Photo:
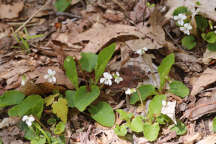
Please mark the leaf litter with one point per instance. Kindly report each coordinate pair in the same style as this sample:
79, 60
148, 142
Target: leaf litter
88, 27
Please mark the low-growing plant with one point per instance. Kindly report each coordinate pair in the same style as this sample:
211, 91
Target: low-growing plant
149, 124
204, 28
23, 37
81, 98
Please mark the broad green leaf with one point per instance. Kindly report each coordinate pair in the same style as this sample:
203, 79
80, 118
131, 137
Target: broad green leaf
62, 5
121, 130
58, 140
201, 22
88, 61
211, 47
71, 72
11, 97
145, 91
189, 42
210, 37
50, 99
155, 106
84, 98
164, 68
125, 115
151, 131
31, 105
60, 108
178, 88
70, 97
103, 59
214, 124
97, 113
137, 124
59, 129
180, 128
180, 10
38, 140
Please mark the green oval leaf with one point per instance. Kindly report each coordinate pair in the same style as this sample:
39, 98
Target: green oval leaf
11, 97
125, 115
188, 42
145, 91
151, 131
155, 106
70, 97
137, 124
84, 98
97, 113
180, 128
211, 47
103, 59
164, 68
59, 129
179, 89
210, 37
71, 72
62, 5
88, 61
179, 10
31, 105
121, 130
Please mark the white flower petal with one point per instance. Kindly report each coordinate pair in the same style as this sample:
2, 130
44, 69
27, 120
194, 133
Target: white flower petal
50, 80
31, 118
54, 79
29, 123
24, 118
102, 80
49, 71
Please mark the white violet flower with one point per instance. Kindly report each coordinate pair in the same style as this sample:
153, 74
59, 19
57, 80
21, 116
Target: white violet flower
141, 51
117, 78
28, 119
50, 76
195, 11
186, 28
180, 18
107, 79
23, 81
129, 91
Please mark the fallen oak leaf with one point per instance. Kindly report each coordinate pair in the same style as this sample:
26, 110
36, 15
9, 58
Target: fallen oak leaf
99, 36
206, 78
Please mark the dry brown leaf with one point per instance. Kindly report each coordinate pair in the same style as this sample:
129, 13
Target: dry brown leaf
11, 11
211, 139
206, 78
206, 7
204, 106
208, 56
137, 15
61, 78
98, 36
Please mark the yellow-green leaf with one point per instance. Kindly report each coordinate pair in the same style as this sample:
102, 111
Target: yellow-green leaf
50, 99
60, 108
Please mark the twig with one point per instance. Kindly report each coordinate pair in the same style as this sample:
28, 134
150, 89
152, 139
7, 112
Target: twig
30, 18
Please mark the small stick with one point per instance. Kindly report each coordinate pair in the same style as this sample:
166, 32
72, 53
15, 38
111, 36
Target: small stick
30, 18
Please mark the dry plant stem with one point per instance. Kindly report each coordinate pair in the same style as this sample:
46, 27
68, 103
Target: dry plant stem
142, 105
41, 124
34, 14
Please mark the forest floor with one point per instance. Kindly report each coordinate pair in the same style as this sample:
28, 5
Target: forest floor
36, 36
